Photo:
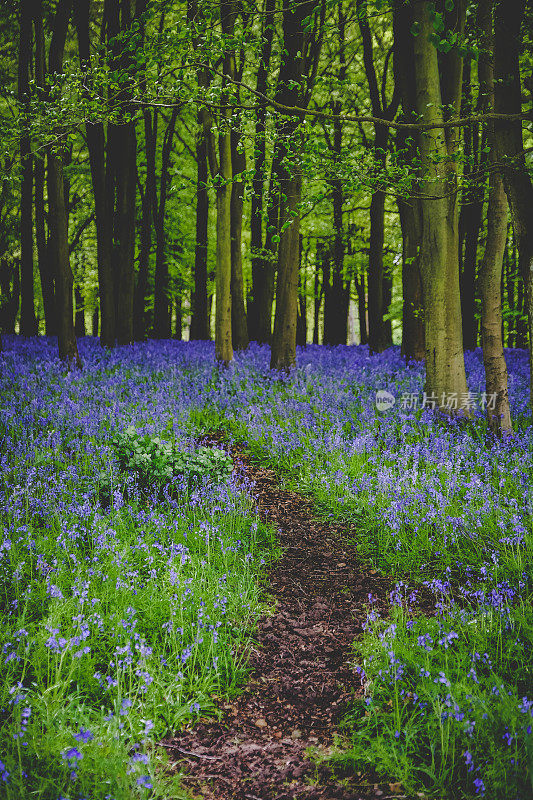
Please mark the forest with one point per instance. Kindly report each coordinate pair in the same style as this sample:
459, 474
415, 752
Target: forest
266, 385
348, 173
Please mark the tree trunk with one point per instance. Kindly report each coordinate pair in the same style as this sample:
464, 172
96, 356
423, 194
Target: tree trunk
221, 170
510, 148
79, 317
68, 349
380, 333
439, 256
361, 308
239, 325
148, 201
200, 328
200, 299
223, 340
509, 290
260, 311
340, 286
178, 327
521, 319
387, 300
45, 267
470, 215
301, 320
413, 347
470, 222
491, 298
125, 250
376, 332
291, 92
122, 157
490, 275
283, 355
102, 192
329, 310
265, 280
28, 322
162, 300
58, 209
318, 291
10, 293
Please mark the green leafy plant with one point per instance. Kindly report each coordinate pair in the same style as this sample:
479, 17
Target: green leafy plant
155, 462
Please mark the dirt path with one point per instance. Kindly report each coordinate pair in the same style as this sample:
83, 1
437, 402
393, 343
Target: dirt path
301, 681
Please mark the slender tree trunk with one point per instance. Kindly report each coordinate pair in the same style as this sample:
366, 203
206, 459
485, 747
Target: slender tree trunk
68, 349
223, 340
79, 318
178, 327
103, 194
162, 300
301, 320
10, 293
376, 308
413, 344
289, 142
283, 355
139, 296
221, 170
266, 277
380, 333
125, 209
122, 140
260, 312
361, 308
471, 222
439, 257
413, 347
148, 202
45, 267
200, 327
470, 217
318, 291
491, 298
510, 148
521, 320
205, 160
387, 300
508, 289
340, 287
58, 209
28, 322
490, 275
238, 311
329, 310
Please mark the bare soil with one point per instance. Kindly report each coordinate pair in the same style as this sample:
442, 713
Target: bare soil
302, 679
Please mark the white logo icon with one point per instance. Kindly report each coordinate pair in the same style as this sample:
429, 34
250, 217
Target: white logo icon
384, 400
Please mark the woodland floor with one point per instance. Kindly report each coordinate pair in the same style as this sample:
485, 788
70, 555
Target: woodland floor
301, 680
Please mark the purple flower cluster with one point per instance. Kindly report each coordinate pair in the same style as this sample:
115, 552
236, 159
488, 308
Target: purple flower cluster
137, 600
113, 616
